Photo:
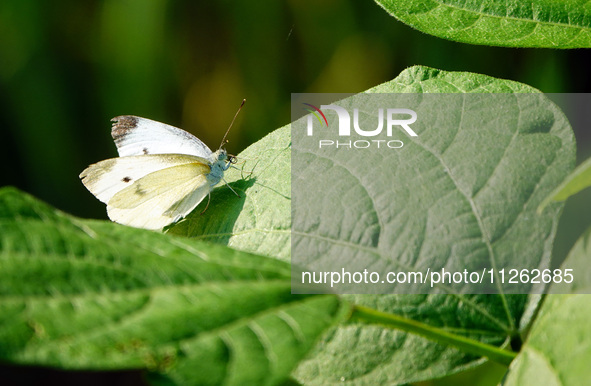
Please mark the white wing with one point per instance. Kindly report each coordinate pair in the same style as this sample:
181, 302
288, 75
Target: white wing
162, 197
136, 136
104, 179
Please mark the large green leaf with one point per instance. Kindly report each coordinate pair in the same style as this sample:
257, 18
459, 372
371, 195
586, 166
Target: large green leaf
370, 354
520, 23
558, 348
96, 295
472, 183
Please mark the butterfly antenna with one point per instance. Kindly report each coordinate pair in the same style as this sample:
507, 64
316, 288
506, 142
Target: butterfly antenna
231, 123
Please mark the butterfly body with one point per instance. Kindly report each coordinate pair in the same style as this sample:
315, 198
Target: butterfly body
219, 164
161, 175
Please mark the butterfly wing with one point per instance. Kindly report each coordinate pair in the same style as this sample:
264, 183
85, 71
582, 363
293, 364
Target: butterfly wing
162, 197
136, 136
104, 179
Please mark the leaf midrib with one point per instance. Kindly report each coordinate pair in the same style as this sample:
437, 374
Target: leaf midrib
484, 14
111, 245
239, 321
144, 291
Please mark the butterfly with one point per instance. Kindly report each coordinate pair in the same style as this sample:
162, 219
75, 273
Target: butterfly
161, 175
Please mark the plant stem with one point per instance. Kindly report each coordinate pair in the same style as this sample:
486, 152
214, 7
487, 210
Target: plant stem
369, 315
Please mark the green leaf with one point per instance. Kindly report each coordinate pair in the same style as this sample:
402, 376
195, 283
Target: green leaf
558, 347
373, 353
578, 259
520, 23
78, 294
578, 180
259, 220
493, 177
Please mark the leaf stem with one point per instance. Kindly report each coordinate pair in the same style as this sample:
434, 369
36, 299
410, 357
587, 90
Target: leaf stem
369, 315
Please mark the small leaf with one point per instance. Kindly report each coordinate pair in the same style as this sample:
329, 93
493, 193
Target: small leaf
541, 23
558, 347
78, 294
579, 262
578, 180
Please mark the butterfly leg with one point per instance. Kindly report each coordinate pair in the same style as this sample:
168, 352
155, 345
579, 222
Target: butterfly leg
242, 172
208, 200
225, 182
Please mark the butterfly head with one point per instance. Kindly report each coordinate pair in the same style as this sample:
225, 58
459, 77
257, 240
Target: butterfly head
221, 155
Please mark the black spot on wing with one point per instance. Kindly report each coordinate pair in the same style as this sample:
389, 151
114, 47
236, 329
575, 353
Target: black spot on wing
126, 179
145, 150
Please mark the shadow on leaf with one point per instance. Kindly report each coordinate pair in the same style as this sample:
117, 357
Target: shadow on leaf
215, 222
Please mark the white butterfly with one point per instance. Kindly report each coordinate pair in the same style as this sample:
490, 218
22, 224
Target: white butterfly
161, 175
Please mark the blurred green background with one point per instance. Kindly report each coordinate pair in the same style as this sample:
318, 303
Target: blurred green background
67, 67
